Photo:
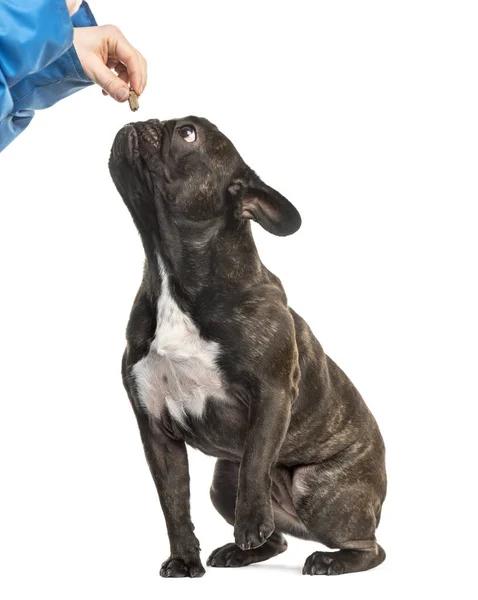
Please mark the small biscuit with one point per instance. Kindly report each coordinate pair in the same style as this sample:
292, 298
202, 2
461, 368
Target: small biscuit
133, 101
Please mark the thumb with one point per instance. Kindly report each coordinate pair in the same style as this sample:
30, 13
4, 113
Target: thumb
111, 83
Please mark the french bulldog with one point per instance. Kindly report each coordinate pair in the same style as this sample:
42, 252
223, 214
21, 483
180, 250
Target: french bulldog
217, 360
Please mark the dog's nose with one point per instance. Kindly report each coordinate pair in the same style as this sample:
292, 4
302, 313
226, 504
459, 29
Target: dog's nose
150, 123
149, 132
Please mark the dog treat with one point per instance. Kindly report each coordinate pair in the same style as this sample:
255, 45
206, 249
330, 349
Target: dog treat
133, 101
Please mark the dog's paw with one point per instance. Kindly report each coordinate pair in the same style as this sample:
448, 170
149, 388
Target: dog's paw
179, 567
229, 556
322, 563
253, 527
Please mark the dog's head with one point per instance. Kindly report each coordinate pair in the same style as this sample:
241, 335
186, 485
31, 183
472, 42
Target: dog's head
187, 173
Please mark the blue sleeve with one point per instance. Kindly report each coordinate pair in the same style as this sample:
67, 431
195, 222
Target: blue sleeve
38, 62
32, 35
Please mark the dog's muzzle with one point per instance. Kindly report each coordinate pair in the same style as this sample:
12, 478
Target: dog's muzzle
135, 139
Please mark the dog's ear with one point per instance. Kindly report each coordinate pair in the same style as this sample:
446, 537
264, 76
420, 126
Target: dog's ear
257, 201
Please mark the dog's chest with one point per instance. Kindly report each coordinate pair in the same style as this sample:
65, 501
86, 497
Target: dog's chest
180, 372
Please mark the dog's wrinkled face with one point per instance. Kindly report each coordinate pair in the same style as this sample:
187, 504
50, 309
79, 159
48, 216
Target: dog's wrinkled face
185, 171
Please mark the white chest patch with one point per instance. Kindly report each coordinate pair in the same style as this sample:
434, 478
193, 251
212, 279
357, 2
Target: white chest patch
180, 370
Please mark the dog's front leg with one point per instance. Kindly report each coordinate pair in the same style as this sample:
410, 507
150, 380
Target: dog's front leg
269, 417
168, 462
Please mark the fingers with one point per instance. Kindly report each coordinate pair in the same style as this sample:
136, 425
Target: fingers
132, 59
120, 71
124, 75
101, 49
114, 86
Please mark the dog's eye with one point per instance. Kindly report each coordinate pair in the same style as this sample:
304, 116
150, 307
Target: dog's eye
188, 133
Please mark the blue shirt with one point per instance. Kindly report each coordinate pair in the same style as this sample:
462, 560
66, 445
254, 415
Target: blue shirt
38, 62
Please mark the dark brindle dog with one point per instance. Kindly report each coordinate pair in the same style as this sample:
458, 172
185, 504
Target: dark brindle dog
216, 359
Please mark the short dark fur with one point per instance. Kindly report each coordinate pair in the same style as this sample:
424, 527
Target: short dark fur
298, 450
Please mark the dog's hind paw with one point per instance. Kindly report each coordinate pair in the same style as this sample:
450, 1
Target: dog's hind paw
343, 561
320, 563
231, 555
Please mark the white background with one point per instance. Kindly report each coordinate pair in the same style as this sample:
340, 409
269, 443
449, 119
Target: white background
364, 114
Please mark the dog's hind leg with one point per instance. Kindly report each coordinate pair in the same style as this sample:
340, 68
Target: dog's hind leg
340, 515
343, 561
223, 496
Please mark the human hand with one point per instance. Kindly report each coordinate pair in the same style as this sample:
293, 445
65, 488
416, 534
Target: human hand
103, 48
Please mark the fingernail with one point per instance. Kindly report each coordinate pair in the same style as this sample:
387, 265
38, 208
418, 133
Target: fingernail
122, 94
